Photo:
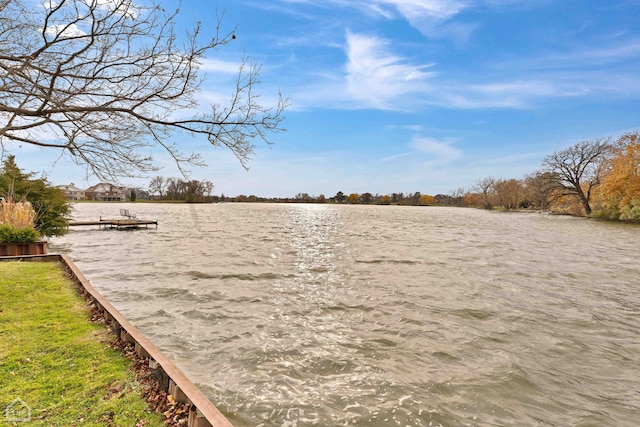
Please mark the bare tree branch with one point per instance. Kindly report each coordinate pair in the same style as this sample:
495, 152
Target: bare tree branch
577, 170
107, 81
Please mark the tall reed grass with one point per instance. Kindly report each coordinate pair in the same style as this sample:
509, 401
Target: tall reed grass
17, 214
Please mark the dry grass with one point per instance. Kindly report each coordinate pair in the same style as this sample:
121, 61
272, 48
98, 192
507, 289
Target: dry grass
17, 214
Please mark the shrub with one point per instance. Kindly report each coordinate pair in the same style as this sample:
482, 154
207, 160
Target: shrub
631, 212
11, 234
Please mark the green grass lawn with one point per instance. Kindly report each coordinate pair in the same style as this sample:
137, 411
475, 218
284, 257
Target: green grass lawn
56, 361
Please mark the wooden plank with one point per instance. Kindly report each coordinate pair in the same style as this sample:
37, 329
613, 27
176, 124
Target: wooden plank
206, 413
115, 222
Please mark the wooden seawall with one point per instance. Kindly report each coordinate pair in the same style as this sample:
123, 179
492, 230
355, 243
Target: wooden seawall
202, 412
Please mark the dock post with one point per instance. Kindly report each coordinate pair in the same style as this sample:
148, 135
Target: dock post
196, 419
178, 395
141, 351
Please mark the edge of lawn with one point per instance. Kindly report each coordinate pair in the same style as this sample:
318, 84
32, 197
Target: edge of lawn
57, 363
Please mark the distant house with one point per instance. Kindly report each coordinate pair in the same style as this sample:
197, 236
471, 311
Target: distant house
141, 194
105, 192
72, 192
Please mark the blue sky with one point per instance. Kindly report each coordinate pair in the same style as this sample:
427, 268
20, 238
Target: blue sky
411, 95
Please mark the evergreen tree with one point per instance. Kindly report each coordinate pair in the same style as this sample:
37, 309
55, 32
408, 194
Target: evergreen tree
50, 203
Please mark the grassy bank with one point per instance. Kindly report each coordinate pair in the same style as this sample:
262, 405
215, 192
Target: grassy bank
56, 361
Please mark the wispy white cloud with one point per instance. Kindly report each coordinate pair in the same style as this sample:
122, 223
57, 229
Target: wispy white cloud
123, 8
381, 73
218, 66
71, 30
432, 17
76, 29
579, 57
430, 151
439, 151
431, 9
410, 9
427, 16
499, 94
377, 76
511, 159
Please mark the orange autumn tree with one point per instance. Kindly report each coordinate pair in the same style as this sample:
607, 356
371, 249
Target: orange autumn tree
353, 198
619, 193
426, 200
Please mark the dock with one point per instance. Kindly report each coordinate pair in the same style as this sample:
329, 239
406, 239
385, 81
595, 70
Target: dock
116, 223
130, 221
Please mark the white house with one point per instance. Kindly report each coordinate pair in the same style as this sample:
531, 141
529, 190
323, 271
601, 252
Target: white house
72, 192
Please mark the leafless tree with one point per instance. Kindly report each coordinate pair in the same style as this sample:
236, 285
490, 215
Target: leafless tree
578, 169
508, 192
539, 188
486, 188
104, 81
158, 185
457, 196
207, 188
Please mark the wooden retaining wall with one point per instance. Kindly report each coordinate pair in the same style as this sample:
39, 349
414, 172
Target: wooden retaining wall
202, 412
31, 248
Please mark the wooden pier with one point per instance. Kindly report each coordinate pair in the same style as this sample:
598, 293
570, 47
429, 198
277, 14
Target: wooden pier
119, 224
129, 221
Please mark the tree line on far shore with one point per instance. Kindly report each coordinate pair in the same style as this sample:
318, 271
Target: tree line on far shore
191, 191
598, 178
194, 191
408, 199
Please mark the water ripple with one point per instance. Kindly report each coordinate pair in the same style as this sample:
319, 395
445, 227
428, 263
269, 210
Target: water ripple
331, 315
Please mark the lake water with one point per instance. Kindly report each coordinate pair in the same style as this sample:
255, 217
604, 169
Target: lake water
305, 315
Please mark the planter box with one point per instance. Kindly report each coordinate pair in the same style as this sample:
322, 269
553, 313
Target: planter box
17, 249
